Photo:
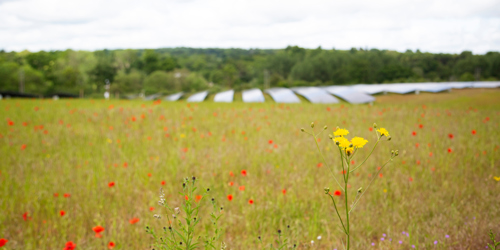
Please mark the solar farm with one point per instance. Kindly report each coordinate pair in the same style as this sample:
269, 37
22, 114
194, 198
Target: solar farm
360, 93
96, 174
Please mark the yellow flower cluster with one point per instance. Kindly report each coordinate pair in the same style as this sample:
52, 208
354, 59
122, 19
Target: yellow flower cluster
356, 142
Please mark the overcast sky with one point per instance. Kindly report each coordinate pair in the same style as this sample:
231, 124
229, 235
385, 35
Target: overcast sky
449, 26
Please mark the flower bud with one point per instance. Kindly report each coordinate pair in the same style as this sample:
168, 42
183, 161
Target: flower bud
360, 190
389, 138
302, 129
312, 124
325, 127
330, 136
396, 153
327, 190
374, 125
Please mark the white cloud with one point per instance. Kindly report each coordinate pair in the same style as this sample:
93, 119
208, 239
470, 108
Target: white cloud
435, 26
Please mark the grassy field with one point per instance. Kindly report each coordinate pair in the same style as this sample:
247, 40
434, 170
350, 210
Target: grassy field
62, 155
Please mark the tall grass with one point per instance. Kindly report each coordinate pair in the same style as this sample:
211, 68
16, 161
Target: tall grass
86, 144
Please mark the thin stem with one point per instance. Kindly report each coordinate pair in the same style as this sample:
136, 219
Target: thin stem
370, 184
367, 156
346, 205
336, 210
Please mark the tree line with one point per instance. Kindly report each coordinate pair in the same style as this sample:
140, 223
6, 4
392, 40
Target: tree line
170, 70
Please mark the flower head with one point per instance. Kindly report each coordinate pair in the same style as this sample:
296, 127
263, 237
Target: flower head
341, 132
70, 245
111, 245
3, 242
358, 142
342, 142
230, 197
133, 220
383, 132
337, 193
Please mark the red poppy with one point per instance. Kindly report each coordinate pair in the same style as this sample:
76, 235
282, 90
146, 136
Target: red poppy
62, 213
353, 162
70, 245
414, 133
418, 162
473, 131
3, 242
23, 146
270, 141
98, 230
380, 175
231, 173
11, 123
337, 193
250, 201
450, 136
111, 245
416, 145
410, 179
25, 216
449, 150
231, 183
67, 195
283, 191
56, 194
134, 220
125, 164
430, 154
371, 129
319, 165
149, 174
186, 197
243, 172
111, 184
133, 118
198, 198
242, 188
162, 183
151, 208
421, 126
230, 197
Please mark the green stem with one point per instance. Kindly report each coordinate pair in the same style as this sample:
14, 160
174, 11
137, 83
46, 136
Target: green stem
354, 205
336, 210
347, 206
367, 156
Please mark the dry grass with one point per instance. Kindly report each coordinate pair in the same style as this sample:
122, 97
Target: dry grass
451, 194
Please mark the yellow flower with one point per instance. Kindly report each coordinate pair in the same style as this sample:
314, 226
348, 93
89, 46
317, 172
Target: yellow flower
343, 142
383, 131
183, 135
341, 132
349, 151
358, 142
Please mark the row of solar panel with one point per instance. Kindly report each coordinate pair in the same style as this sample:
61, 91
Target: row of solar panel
360, 93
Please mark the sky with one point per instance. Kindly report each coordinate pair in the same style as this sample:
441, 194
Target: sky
437, 26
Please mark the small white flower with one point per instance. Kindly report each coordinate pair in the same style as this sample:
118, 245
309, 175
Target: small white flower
312, 242
319, 237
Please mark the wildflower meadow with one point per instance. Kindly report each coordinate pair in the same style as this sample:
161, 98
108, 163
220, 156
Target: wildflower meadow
120, 174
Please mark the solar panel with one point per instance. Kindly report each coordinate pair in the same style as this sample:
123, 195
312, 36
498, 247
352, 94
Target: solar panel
174, 97
198, 97
400, 88
282, 95
253, 95
349, 94
226, 96
486, 84
433, 87
370, 89
152, 97
315, 95
459, 85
